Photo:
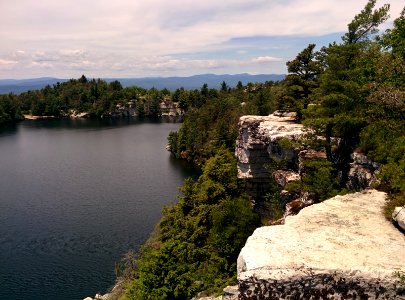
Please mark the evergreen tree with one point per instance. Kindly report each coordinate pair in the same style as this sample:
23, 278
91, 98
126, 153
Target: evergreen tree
301, 80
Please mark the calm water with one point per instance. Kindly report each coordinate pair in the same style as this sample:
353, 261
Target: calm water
75, 195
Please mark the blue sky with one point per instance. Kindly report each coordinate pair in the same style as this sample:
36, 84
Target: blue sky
128, 38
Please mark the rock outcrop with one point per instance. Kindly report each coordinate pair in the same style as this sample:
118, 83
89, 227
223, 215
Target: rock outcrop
399, 216
257, 143
271, 148
342, 248
258, 146
230, 293
363, 172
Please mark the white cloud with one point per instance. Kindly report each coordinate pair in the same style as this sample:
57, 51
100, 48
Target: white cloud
41, 64
7, 62
143, 37
265, 59
72, 52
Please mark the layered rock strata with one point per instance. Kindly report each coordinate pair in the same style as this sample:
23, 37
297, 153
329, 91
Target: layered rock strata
257, 143
258, 148
342, 248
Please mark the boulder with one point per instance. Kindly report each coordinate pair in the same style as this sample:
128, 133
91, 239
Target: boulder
399, 216
75, 114
362, 173
342, 248
288, 196
283, 177
363, 160
294, 207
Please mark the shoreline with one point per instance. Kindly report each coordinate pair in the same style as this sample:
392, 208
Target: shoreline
34, 117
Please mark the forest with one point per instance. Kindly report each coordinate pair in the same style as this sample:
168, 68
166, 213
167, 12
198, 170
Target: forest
95, 97
352, 90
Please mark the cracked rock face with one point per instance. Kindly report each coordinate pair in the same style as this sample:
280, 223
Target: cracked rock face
265, 143
342, 247
257, 143
258, 147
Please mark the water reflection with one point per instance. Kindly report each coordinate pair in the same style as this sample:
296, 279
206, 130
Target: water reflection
8, 129
187, 169
99, 123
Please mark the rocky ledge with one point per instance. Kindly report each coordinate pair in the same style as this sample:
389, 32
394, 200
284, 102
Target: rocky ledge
342, 248
257, 143
274, 148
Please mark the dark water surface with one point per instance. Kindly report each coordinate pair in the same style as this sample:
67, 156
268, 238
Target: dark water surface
75, 195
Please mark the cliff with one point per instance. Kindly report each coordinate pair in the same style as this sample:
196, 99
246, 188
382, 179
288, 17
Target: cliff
342, 248
257, 143
274, 148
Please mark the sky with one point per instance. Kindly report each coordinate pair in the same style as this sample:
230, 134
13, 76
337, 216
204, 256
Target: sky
143, 38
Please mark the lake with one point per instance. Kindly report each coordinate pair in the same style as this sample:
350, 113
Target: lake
75, 195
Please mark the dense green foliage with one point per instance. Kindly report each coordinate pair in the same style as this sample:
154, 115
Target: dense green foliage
352, 95
301, 80
198, 239
95, 97
10, 110
361, 97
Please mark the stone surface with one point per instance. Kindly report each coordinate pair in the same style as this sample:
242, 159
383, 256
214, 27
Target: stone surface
399, 216
282, 177
340, 248
362, 173
295, 206
361, 159
101, 297
257, 147
258, 136
230, 293
288, 196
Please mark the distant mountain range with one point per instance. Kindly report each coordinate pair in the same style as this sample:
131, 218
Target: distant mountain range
18, 86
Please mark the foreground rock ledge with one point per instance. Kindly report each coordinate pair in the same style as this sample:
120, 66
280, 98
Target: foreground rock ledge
342, 248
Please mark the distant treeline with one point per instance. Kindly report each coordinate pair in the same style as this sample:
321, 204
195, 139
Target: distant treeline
18, 86
98, 98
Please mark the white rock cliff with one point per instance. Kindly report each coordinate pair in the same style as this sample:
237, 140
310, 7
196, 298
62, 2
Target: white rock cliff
257, 143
